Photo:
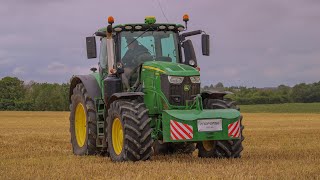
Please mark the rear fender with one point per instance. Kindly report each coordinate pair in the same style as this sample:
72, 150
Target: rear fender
214, 94
89, 82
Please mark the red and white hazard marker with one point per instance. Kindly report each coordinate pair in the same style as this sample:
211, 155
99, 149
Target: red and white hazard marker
234, 129
179, 131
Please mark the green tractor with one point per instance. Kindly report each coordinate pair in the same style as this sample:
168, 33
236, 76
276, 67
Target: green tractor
145, 98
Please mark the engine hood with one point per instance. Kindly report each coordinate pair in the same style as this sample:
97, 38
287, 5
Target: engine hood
170, 68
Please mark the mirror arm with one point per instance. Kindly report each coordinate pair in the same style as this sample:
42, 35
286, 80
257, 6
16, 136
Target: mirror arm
101, 34
191, 33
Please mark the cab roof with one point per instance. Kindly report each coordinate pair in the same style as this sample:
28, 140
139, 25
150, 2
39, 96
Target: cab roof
143, 27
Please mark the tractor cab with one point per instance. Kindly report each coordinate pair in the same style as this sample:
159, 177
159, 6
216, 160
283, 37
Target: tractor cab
137, 47
126, 47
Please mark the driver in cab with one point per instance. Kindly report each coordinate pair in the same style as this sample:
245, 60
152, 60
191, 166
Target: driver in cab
135, 55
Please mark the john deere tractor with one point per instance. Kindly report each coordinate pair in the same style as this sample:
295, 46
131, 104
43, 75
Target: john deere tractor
144, 99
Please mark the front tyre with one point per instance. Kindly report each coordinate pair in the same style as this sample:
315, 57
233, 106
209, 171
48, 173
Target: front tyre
129, 131
221, 148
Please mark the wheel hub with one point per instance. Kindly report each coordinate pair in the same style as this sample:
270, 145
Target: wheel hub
117, 136
208, 145
80, 125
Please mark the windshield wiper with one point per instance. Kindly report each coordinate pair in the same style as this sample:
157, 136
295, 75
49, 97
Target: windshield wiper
139, 36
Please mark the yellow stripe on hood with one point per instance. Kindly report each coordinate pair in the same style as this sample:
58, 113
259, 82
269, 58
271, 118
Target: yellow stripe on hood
153, 68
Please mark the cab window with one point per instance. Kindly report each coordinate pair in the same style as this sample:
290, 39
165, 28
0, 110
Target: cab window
158, 45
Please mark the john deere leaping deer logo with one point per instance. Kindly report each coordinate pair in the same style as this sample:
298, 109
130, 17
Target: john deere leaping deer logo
186, 87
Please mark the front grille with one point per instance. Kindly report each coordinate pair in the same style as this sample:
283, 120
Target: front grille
176, 94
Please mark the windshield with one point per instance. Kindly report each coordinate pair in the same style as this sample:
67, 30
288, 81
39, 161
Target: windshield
139, 46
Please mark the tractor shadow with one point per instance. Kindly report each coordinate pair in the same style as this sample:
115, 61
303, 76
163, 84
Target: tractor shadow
187, 158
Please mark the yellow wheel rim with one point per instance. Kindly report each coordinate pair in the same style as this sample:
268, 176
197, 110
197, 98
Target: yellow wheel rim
80, 125
207, 145
117, 136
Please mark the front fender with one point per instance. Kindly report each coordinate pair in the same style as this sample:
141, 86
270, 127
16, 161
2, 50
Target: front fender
124, 95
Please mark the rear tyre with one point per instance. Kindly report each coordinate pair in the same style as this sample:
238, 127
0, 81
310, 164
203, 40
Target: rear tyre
83, 127
129, 131
225, 148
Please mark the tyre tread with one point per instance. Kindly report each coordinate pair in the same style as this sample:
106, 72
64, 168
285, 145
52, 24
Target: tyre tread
137, 139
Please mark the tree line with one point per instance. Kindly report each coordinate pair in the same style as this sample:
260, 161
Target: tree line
33, 96
300, 93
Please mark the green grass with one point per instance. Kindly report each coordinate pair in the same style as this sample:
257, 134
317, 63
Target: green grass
282, 108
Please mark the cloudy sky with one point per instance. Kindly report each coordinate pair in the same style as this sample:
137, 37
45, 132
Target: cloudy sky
253, 42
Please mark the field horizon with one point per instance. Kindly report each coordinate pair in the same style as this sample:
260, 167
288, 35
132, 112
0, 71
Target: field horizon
258, 108
281, 108
276, 146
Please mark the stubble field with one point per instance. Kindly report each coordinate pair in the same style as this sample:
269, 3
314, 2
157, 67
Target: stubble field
282, 146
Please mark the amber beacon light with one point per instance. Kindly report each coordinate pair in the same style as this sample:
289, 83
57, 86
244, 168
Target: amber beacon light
185, 17
110, 20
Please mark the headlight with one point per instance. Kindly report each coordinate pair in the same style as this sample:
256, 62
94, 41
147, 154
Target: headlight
180, 28
192, 62
195, 79
175, 79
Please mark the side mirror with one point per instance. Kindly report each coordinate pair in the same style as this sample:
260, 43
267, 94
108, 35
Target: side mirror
91, 47
189, 54
205, 40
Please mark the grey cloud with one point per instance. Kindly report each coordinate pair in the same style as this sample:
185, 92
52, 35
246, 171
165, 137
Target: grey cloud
20, 70
254, 43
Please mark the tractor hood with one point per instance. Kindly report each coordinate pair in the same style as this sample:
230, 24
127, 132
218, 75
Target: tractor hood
170, 68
